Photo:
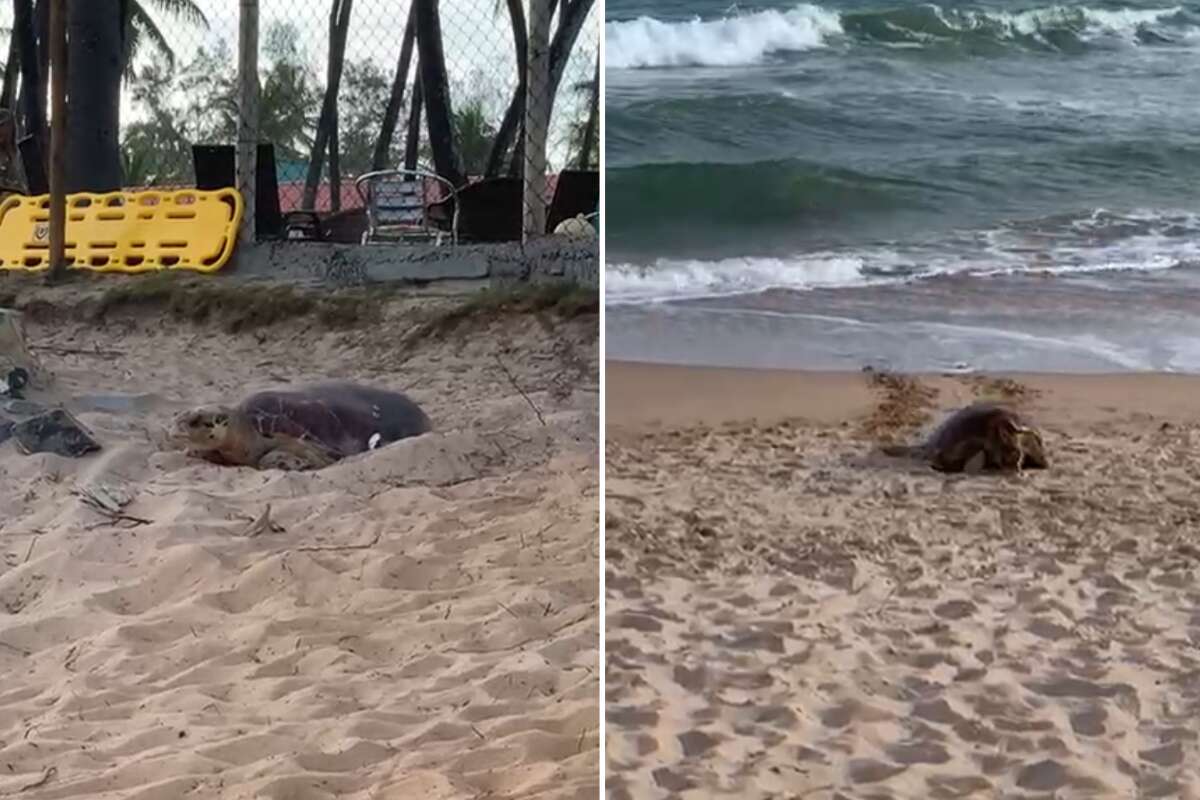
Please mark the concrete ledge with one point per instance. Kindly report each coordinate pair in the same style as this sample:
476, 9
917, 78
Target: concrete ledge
550, 258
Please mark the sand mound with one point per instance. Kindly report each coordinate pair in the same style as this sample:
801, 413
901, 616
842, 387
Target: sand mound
418, 621
444, 459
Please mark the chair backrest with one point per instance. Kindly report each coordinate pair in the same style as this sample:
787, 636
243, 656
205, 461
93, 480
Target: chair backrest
397, 200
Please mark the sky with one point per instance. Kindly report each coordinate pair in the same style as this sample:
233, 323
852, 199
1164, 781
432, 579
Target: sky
476, 34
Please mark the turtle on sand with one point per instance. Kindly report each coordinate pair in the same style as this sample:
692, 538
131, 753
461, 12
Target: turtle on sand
299, 428
989, 431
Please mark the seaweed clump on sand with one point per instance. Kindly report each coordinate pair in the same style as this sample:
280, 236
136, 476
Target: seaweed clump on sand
905, 405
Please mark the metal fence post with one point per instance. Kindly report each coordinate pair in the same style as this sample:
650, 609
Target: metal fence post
247, 144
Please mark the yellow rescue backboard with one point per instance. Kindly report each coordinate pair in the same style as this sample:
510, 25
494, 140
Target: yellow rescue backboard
128, 232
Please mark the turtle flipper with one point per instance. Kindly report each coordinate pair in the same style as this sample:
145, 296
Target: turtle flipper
957, 456
286, 461
903, 450
296, 454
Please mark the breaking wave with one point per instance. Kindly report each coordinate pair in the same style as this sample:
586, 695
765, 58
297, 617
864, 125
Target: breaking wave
750, 38
1097, 242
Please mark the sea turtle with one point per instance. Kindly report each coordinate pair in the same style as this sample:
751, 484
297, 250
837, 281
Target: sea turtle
306, 427
997, 434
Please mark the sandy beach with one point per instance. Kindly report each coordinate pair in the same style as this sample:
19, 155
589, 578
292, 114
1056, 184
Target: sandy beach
791, 614
417, 621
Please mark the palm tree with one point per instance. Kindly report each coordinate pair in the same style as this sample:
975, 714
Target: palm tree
326, 136
435, 88
93, 147
142, 30
570, 21
198, 103
583, 135
107, 35
391, 113
473, 134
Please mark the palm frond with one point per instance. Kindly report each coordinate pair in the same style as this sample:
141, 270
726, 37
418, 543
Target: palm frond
186, 10
142, 25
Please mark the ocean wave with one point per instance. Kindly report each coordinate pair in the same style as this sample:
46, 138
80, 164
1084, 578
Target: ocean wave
648, 200
1061, 27
1097, 242
731, 41
749, 38
756, 194
669, 279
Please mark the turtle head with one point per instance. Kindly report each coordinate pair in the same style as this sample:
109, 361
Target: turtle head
1032, 448
1019, 446
200, 428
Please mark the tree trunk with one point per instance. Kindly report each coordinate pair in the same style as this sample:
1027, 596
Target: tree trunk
94, 46
41, 22
537, 120
339, 23
126, 27
12, 70
33, 118
517, 164
248, 119
569, 25
412, 142
589, 130
516, 108
335, 167
59, 64
439, 116
391, 114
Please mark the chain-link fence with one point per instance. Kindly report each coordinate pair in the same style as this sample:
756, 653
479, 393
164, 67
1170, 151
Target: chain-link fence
377, 119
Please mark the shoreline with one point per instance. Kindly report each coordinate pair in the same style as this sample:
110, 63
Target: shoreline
642, 395
1139, 322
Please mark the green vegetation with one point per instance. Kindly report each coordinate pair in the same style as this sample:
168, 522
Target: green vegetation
179, 105
239, 306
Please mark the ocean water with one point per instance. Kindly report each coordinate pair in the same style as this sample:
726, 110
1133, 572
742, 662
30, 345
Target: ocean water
904, 183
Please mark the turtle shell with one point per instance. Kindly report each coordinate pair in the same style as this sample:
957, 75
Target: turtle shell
981, 428
341, 418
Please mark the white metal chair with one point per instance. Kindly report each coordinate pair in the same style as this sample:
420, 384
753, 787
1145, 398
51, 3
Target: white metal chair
396, 209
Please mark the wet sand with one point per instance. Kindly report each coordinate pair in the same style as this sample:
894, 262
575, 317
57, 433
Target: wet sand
793, 614
1068, 324
417, 621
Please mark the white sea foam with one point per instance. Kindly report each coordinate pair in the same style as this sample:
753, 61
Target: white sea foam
731, 41
1005, 251
1090, 23
669, 279
748, 38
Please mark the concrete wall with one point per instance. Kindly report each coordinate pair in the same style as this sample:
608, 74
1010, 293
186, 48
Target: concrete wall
550, 258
